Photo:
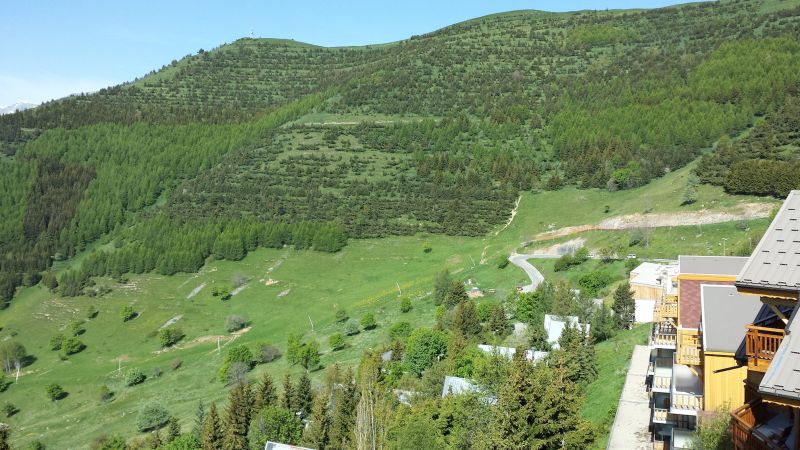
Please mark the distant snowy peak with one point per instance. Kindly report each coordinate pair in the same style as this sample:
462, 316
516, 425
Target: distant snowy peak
21, 106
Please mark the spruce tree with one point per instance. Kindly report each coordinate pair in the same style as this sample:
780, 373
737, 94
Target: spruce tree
265, 395
5, 431
237, 418
173, 430
513, 415
498, 324
465, 319
304, 395
213, 431
624, 306
317, 433
199, 420
288, 401
344, 400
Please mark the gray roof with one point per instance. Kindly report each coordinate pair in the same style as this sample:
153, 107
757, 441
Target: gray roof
711, 265
775, 263
783, 376
279, 446
725, 315
457, 385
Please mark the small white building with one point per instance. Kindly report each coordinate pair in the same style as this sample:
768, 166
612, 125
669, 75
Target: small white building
458, 385
555, 325
278, 446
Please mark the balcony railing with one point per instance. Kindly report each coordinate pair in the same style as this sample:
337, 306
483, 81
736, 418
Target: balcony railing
683, 403
744, 434
662, 383
761, 344
664, 311
688, 347
659, 445
663, 335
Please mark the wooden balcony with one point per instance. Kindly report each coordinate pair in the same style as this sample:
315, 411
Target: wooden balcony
662, 383
761, 344
664, 311
660, 445
663, 335
688, 351
744, 427
684, 403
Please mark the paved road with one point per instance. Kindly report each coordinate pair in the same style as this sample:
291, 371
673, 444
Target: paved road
629, 431
521, 261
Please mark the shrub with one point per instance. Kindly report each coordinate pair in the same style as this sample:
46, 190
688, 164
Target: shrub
423, 347
91, 312
405, 305
242, 354
221, 292
36, 445
351, 328
72, 345
592, 282
55, 392
151, 417
269, 353
235, 323
368, 321
426, 247
341, 315
502, 262
135, 376
400, 330
176, 364
56, 341
631, 264
336, 341
105, 393
170, 336
10, 409
236, 372
127, 313
484, 311
156, 372
76, 328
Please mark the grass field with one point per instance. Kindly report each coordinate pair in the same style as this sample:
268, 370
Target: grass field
364, 277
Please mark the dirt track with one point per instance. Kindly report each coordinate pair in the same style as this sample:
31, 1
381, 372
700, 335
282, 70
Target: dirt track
746, 211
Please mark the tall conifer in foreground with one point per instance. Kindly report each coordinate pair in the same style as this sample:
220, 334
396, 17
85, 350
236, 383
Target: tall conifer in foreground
213, 433
237, 418
265, 394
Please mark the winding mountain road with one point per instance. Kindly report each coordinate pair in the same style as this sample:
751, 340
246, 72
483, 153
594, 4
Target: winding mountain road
536, 277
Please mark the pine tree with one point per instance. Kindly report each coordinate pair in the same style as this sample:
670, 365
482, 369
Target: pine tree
498, 323
237, 418
624, 306
317, 433
5, 431
265, 395
371, 412
513, 415
304, 395
213, 431
344, 399
557, 417
173, 430
288, 401
199, 420
465, 319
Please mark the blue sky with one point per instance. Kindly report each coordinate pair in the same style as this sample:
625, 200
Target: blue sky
56, 48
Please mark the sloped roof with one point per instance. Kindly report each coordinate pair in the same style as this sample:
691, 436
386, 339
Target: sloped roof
725, 314
711, 265
278, 446
775, 263
783, 375
457, 385
509, 352
554, 325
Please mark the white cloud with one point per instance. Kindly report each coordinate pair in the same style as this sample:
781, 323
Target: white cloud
45, 87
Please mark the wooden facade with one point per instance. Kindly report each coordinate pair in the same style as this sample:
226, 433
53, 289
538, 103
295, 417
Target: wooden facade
723, 381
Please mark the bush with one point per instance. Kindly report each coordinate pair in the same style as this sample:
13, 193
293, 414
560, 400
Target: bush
36, 445
135, 376
423, 347
55, 392
105, 393
235, 323
10, 409
400, 331
170, 336
631, 264
592, 282
241, 354
76, 328
368, 321
269, 353
351, 328
502, 262
336, 341
426, 247
176, 364
405, 305
127, 313
156, 372
151, 417
91, 312
56, 341
72, 345
236, 372
341, 315
221, 292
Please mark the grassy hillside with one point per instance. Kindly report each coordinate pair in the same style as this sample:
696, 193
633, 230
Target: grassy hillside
364, 277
